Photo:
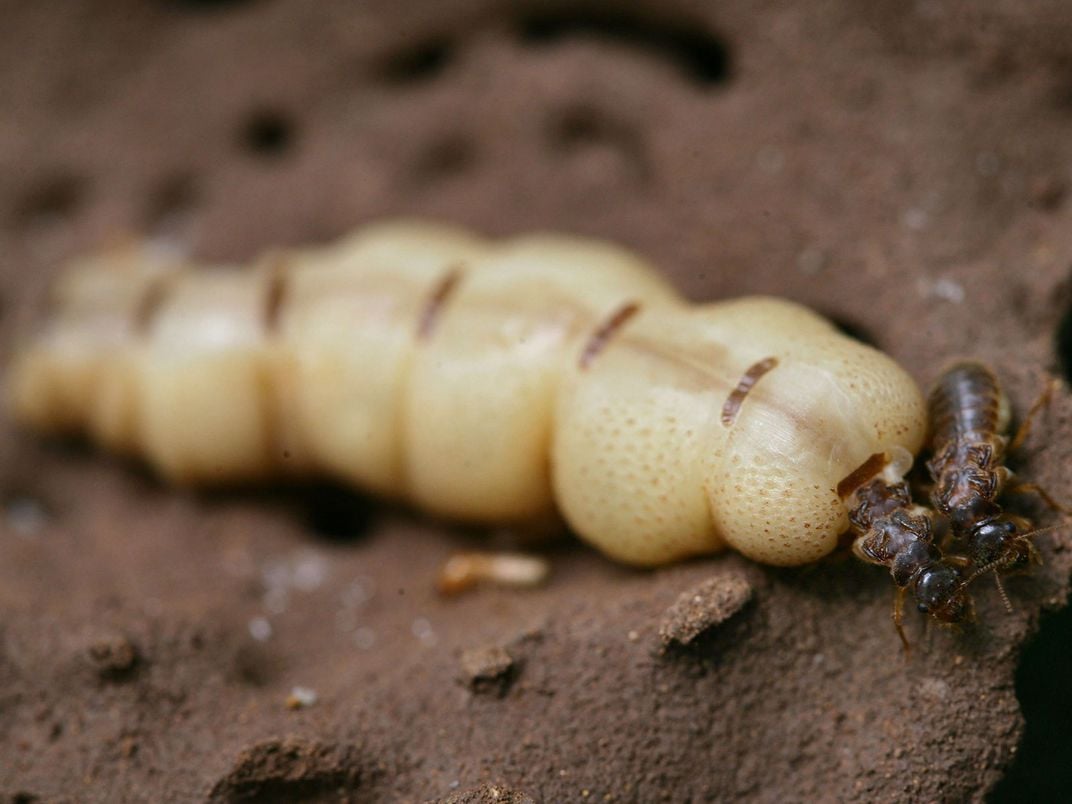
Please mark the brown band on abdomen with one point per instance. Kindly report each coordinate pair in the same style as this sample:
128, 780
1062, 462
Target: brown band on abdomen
433, 307
275, 298
732, 406
599, 339
860, 475
152, 300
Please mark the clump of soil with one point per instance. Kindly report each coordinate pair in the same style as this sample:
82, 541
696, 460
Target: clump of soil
704, 607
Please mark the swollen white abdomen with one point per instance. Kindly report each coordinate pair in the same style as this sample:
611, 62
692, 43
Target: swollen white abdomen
483, 381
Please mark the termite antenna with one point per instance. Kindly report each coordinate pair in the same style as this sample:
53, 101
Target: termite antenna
993, 566
1042, 401
1029, 537
1002, 592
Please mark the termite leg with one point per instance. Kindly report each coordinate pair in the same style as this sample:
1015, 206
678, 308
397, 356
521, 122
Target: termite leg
1025, 426
1033, 553
898, 618
1035, 488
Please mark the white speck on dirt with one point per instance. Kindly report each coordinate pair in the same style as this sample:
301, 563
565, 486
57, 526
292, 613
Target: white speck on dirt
260, 629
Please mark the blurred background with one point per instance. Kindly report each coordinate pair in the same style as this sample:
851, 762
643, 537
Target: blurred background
902, 167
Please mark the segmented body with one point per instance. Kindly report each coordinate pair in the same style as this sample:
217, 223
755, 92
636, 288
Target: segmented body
894, 532
969, 417
483, 381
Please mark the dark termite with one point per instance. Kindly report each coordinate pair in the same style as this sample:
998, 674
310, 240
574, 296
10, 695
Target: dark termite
893, 532
969, 417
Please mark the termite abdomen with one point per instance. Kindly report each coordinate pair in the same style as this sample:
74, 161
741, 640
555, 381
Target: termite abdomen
968, 416
967, 405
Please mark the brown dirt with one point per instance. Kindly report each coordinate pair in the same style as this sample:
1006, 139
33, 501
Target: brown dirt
903, 169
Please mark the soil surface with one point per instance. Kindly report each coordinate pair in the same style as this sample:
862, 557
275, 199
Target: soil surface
901, 168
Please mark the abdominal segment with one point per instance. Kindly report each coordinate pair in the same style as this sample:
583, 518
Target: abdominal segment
484, 381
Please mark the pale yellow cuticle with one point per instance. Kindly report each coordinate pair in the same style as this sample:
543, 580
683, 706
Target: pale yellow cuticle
421, 362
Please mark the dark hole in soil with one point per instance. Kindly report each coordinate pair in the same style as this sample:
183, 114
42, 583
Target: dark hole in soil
444, 158
1064, 345
268, 133
1042, 770
579, 127
335, 513
853, 329
701, 57
52, 200
419, 63
206, 5
171, 202
253, 666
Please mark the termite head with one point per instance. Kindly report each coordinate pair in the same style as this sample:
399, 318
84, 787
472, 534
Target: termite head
998, 542
940, 593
